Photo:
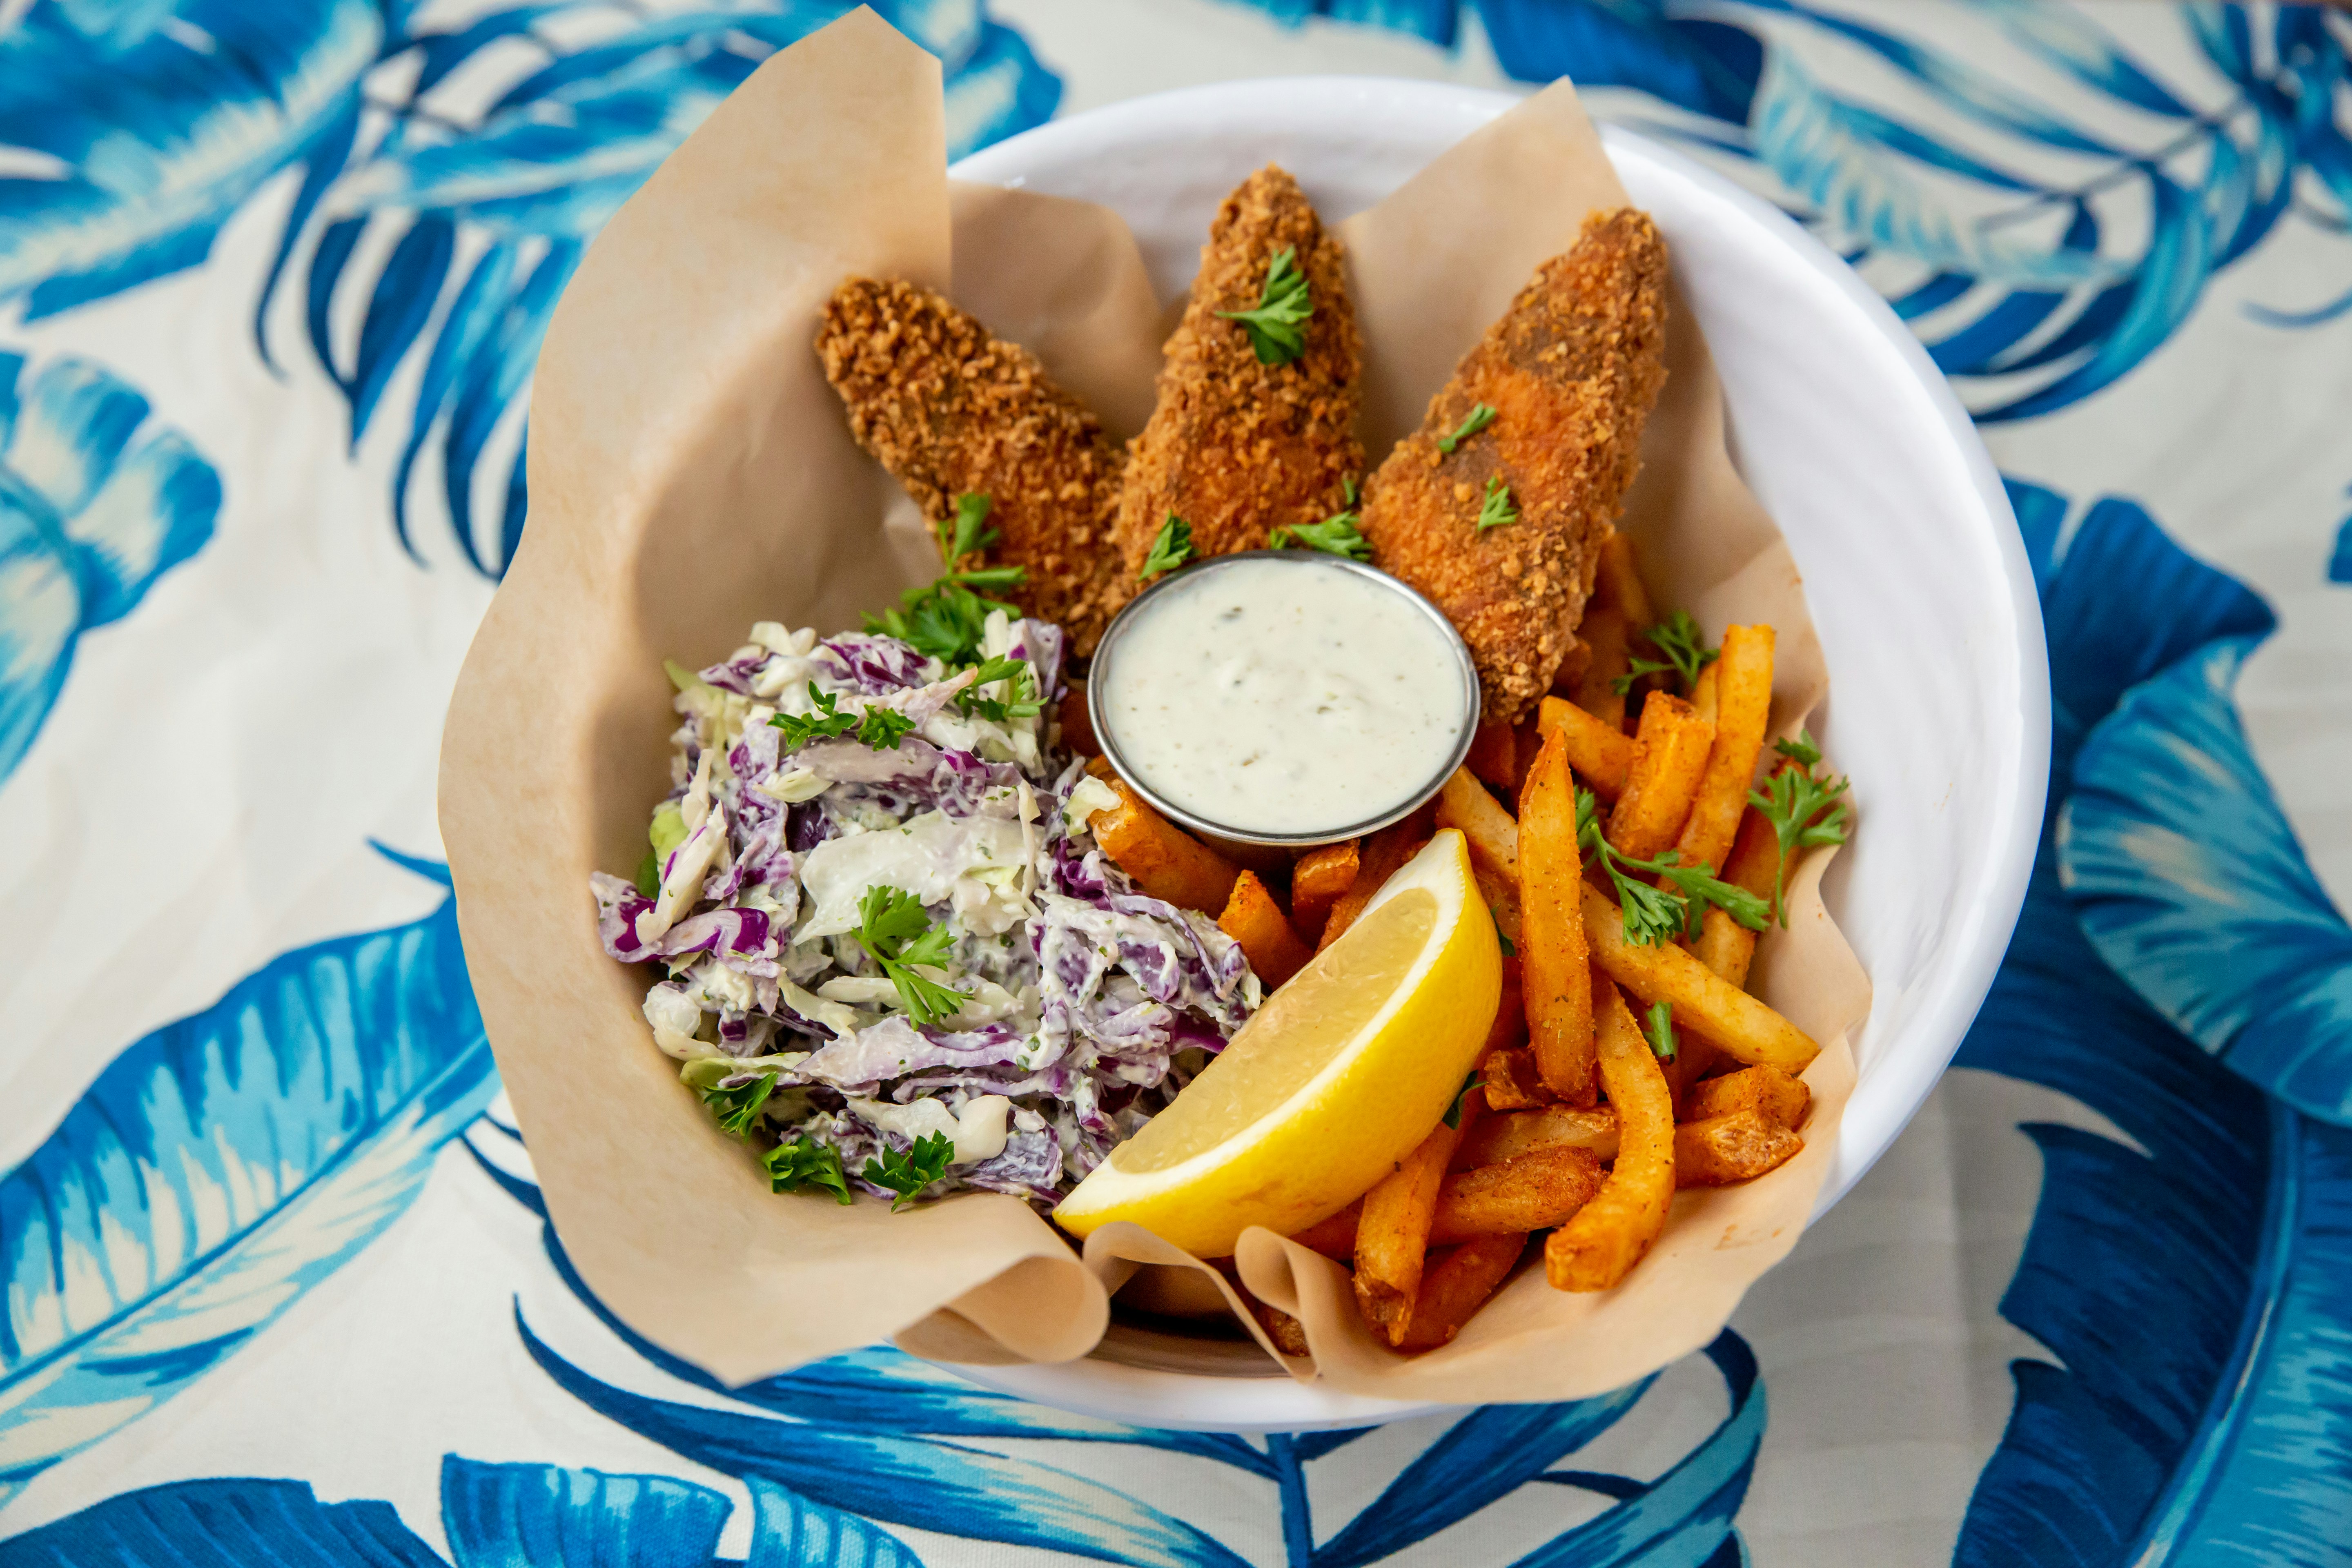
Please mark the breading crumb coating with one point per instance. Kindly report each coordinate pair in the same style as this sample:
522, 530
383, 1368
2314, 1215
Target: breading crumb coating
950, 410
1235, 447
1572, 370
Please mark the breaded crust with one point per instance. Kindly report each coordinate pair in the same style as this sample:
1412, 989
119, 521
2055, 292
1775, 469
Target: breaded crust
951, 410
1235, 447
1572, 370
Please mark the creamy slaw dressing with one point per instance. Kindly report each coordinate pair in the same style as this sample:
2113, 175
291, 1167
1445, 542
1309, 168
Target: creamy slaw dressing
1266, 696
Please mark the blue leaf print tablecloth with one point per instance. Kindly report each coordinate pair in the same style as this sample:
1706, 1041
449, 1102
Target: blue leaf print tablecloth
278, 1287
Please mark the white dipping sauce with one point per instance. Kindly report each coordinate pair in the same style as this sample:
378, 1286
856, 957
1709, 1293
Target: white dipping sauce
1282, 696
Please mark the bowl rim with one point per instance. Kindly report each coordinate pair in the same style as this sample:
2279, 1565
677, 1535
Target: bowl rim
1896, 1088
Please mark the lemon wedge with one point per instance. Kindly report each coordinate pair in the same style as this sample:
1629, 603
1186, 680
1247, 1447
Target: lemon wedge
1333, 1081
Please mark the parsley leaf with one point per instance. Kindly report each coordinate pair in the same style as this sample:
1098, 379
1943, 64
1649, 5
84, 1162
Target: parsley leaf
1335, 535
947, 621
896, 934
968, 534
907, 1174
1653, 914
1801, 750
1791, 802
1347, 489
1495, 509
737, 1109
805, 1162
1024, 703
882, 728
1453, 1112
1679, 637
649, 875
1510, 948
1661, 1031
1170, 550
1278, 327
823, 720
1481, 416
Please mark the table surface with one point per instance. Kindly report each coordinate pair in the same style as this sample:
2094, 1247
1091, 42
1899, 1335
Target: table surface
278, 1282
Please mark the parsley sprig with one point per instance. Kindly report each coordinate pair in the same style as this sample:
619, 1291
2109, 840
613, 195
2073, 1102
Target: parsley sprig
946, 620
1660, 1031
1804, 811
1480, 416
1024, 703
908, 1173
1654, 914
805, 1162
1277, 326
898, 935
879, 727
1680, 638
1495, 508
1170, 548
737, 1109
968, 534
1453, 1112
1335, 535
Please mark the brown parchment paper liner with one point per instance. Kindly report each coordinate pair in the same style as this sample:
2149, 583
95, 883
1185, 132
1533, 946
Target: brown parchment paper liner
690, 473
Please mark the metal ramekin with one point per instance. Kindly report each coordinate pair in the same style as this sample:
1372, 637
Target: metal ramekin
1106, 654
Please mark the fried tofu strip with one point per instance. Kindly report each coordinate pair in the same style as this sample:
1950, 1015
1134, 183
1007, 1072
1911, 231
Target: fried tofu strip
1571, 372
1234, 447
950, 410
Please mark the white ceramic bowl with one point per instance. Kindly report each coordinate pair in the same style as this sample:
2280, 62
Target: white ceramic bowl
1848, 434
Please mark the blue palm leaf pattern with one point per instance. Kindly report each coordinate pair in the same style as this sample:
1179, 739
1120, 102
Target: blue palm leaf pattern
151, 123
2188, 1283
2190, 883
520, 190
220, 1167
508, 1516
92, 512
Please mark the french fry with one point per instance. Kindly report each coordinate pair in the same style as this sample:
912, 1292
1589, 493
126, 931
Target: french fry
1754, 861
1502, 897
1463, 802
1768, 1092
1743, 698
1378, 859
1456, 1286
1334, 1236
1254, 920
1495, 755
1617, 582
1511, 1082
1316, 880
1539, 1189
1607, 1237
1702, 697
1725, 947
1595, 691
1510, 1027
1393, 1237
1164, 861
1553, 958
1669, 755
1738, 1024
1289, 1334
1078, 722
1500, 1137
1734, 1148
1600, 753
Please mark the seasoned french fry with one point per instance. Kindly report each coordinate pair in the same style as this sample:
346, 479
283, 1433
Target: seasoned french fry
1768, 1091
1725, 946
1606, 632
1734, 1148
1511, 1081
1618, 582
1600, 753
1607, 1237
1457, 1287
1540, 1188
1552, 955
1669, 755
1495, 755
1736, 1022
1463, 802
1510, 1028
1393, 1237
1165, 861
1502, 897
1499, 1137
1743, 696
1289, 1334
1316, 880
1702, 697
1335, 1237
1377, 859
1254, 920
